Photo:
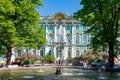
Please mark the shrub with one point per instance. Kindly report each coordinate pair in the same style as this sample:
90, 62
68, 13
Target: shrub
32, 61
70, 59
26, 61
49, 58
26, 57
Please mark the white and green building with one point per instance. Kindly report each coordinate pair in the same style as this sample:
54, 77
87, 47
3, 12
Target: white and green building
65, 35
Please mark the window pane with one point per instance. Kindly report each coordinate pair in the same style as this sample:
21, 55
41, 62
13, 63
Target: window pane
51, 27
84, 38
67, 27
84, 27
58, 27
77, 27
77, 39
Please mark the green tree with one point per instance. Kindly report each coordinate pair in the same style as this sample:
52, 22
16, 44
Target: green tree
19, 25
102, 16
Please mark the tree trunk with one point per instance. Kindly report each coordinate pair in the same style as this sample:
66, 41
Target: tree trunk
9, 54
111, 54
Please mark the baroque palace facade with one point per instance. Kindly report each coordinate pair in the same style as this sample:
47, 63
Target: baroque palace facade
66, 36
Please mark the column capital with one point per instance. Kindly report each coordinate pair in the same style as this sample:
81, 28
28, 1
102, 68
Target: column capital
46, 25
72, 25
63, 25
54, 25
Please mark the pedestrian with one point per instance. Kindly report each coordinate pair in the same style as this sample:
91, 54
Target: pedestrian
87, 63
84, 64
107, 66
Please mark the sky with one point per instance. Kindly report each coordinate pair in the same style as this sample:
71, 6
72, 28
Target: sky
63, 6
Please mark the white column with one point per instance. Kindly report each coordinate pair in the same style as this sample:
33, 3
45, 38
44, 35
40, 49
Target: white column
65, 52
47, 32
55, 52
73, 35
55, 35
73, 52
47, 49
64, 33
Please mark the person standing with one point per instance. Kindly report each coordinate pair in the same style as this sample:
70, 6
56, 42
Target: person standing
84, 64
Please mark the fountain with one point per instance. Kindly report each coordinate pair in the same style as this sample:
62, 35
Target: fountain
60, 50
58, 73
66, 74
58, 70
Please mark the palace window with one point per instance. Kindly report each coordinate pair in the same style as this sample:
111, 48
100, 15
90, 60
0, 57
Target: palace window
68, 27
77, 53
69, 53
51, 38
84, 39
50, 52
43, 27
77, 39
68, 39
41, 53
77, 27
50, 27
60, 38
84, 27
58, 27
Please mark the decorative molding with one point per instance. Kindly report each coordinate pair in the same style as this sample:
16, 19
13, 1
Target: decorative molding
59, 16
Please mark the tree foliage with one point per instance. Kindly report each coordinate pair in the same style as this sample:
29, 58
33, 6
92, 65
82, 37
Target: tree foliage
19, 25
103, 17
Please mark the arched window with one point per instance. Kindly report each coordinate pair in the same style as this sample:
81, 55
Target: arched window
57, 38
50, 52
41, 53
68, 38
77, 27
84, 27
84, 39
43, 27
19, 52
68, 27
34, 51
84, 51
77, 53
51, 27
61, 38
58, 27
77, 39
51, 38
69, 53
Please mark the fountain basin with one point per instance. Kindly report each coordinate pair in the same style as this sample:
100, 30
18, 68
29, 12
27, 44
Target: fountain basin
66, 74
